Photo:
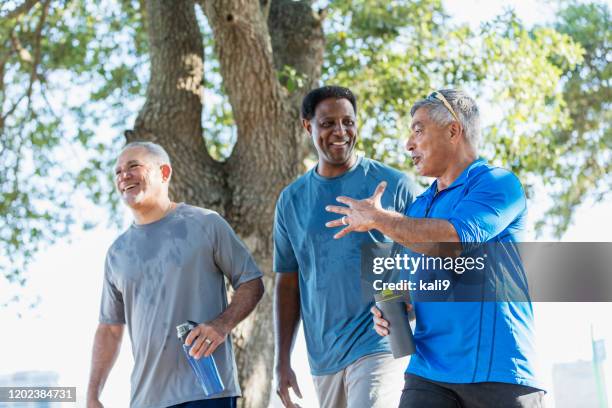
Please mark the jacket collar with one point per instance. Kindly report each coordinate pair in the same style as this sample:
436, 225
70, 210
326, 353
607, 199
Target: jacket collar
463, 177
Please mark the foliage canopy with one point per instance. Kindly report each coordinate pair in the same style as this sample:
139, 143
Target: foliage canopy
74, 73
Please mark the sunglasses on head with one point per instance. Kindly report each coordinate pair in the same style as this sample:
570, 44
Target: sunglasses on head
438, 96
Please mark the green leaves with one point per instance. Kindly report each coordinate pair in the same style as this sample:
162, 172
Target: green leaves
291, 79
528, 82
64, 71
586, 142
73, 74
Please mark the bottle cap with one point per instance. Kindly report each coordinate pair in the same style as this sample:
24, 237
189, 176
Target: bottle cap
183, 329
389, 295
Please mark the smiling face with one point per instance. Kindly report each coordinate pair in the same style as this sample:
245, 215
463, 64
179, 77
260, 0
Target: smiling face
334, 132
140, 179
431, 146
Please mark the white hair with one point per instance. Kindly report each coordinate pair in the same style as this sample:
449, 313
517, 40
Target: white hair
464, 106
153, 149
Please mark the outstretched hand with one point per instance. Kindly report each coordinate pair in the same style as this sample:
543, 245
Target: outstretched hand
360, 215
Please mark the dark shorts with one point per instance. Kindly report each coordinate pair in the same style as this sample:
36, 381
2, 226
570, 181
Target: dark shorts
227, 402
420, 392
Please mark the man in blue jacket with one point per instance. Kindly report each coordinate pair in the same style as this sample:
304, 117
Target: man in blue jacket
468, 354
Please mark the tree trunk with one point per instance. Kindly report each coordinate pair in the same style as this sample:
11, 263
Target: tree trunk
252, 41
171, 115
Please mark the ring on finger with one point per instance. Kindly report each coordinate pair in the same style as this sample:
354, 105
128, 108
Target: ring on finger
344, 220
208, 341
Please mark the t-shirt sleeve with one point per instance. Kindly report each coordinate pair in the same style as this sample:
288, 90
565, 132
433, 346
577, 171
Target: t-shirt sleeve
284, 256
232, 256
112, 310
491, 204
405, 194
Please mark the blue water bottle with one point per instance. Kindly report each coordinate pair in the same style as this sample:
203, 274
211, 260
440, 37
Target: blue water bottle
204, 368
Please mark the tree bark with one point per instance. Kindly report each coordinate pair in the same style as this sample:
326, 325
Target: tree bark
268, 153
171, 115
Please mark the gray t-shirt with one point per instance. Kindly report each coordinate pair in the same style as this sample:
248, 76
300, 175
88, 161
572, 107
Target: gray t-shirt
162, 274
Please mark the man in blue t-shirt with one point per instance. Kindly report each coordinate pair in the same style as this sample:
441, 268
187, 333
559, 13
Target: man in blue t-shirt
472, 353
318, 278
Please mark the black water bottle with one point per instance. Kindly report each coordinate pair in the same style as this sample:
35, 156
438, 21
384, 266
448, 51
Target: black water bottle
393, 308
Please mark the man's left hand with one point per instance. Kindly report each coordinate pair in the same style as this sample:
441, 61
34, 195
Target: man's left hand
360, 215
205, 338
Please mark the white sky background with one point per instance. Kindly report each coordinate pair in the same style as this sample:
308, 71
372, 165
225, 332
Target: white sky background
57, 335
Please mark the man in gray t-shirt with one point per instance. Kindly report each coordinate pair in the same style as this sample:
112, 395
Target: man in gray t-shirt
167, 268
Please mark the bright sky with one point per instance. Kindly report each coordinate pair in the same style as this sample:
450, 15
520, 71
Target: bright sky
57, 335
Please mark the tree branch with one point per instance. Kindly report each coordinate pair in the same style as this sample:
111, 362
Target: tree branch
24, 55
20, 10
172, 113
297, 40
37, 41
248, 61
268, 152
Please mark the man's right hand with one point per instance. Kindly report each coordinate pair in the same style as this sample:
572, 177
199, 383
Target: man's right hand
107, 343
286, 322
285, 378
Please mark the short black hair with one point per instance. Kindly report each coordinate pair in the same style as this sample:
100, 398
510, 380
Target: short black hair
314, 97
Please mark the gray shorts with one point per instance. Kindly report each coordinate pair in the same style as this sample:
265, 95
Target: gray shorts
420, 392
373, 381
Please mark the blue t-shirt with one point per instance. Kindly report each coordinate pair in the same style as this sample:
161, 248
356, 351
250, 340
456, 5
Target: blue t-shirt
337, 320
467, 342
